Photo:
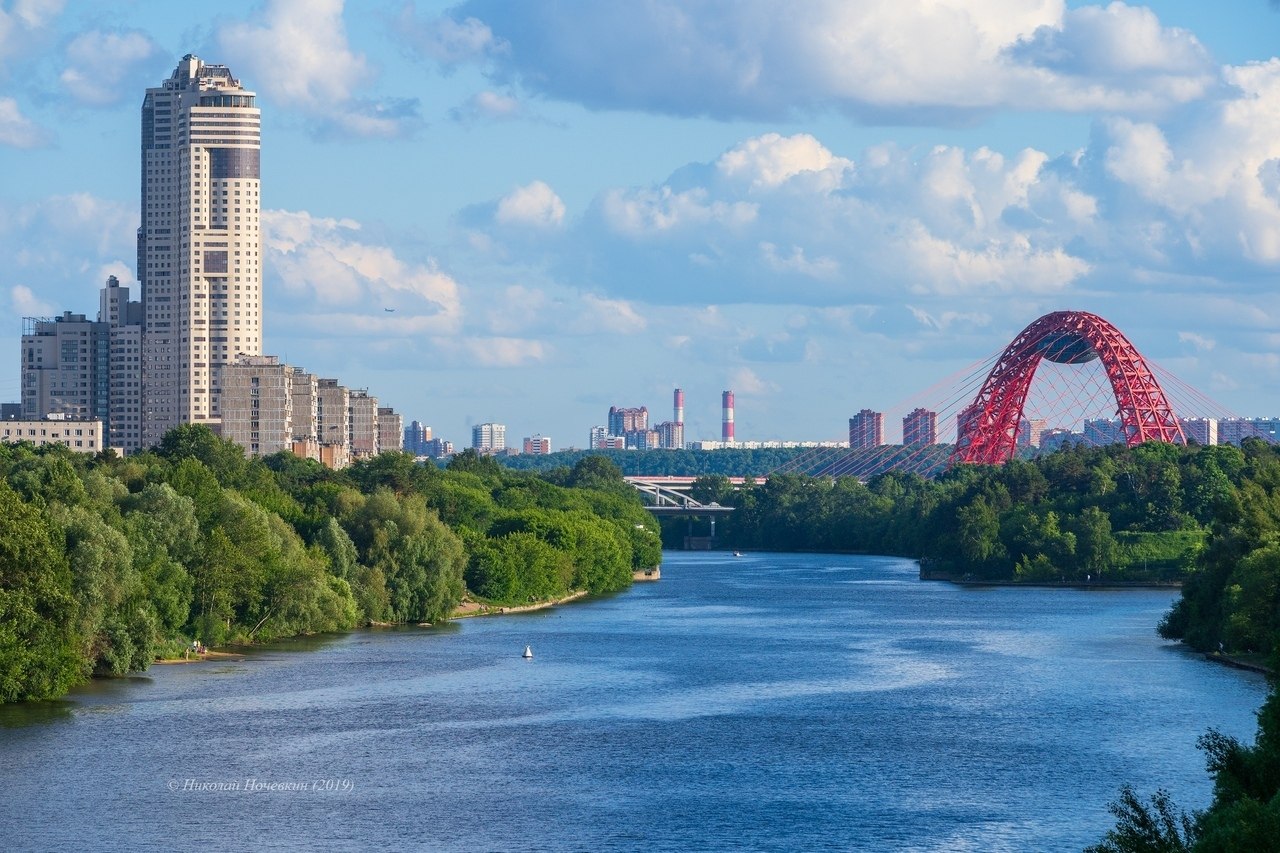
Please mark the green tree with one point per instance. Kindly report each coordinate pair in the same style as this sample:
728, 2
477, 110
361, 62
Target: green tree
39, 647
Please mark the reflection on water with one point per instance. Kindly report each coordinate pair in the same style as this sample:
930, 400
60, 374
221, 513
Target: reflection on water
769, 702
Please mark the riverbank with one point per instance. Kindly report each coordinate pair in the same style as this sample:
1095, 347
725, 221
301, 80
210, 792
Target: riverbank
1252, 664
209, 655
468, 609
969, 580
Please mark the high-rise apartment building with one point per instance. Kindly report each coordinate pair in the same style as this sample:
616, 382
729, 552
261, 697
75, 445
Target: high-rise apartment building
920, 426
623, 421
306, 415
416, 436
363, 414
1030, 430
333, 402
537, 445
124, 321
597, 437
489, 438
65, 367
82, 368
1099, 432
257, 404
199, 244
866, 429
390, 430
1199, 430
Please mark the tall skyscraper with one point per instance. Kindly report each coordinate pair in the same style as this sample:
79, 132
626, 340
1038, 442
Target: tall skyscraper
199, 244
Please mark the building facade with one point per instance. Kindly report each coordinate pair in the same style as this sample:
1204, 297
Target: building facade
66, 367
489, 438
390, 430
257, 404
866, 429
1099, 432
538, 445
362, 410
124, 321
82, 436
1199, 430
416, 436
333, 422
920, 426
623, 421
199, 244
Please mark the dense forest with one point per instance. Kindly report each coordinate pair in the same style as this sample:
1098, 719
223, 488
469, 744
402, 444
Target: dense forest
107, 563
1102, 514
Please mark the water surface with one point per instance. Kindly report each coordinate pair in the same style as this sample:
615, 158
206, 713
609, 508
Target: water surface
768, 702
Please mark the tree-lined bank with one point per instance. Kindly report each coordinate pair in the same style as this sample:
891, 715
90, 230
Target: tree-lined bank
106, 563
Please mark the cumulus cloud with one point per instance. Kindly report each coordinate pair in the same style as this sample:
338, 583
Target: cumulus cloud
609, 316
297, 52
497, 351
324, 261
895, 60
1200, 342
447, 40
18, 130
535, 205
785, 219
22, 24
746, 381
90, 79
488, 106
25, 303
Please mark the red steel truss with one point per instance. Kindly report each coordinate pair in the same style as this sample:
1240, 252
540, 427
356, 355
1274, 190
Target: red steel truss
988, 428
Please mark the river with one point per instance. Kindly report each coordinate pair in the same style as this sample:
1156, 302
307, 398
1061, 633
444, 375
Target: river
768, 702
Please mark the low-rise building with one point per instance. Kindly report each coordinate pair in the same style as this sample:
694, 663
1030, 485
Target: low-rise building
82, 436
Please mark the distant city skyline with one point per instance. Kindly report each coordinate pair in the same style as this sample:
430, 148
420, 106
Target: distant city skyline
476, 221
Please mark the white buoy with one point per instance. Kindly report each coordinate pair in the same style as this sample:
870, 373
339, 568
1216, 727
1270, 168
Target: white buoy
528, 652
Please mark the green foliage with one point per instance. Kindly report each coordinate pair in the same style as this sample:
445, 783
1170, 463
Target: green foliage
1140, 828
39, 643
106, 562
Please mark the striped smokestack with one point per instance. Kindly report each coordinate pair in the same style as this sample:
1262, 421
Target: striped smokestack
726, 424
679, 404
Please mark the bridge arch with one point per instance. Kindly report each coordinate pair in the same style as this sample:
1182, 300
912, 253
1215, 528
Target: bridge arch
987, 429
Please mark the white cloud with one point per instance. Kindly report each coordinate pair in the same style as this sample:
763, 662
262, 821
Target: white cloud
773, 159
496, 351
745, 381
1198, 341
25, 303
784, 219
18, 130
876, 59
297, 52
610, 316
446, 40
535, 205
22, 21
323, 260
90, 79
647, 212
492, 105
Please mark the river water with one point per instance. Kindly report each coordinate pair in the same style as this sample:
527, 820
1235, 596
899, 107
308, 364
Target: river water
768, 702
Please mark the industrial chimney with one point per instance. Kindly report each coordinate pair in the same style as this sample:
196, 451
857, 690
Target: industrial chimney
726, 422
679, 404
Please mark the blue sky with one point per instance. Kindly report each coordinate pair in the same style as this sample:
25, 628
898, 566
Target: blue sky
822, 206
